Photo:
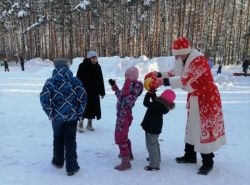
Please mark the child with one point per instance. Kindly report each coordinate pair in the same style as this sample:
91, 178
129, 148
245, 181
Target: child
64, 99
131, 90
6, 65
152, 123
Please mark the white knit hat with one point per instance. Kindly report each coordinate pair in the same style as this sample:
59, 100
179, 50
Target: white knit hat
181, 46
92, 54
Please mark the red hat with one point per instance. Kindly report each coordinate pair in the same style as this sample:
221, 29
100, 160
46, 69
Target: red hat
168, 95
181, 46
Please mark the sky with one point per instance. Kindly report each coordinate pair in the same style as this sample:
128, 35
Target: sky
26, 137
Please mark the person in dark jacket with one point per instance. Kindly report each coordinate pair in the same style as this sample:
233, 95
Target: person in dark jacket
6, 65
64, 99
153, 121
21, 61
219, 69
90, 74
245, 66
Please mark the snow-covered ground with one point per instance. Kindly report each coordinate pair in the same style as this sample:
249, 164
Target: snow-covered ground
26, 133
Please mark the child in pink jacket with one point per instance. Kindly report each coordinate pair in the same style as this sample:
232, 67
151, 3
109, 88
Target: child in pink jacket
131, 90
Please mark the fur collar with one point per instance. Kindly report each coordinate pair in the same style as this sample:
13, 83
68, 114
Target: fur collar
166, 104
194, 53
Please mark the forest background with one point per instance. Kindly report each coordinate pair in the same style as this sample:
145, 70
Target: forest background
70, 28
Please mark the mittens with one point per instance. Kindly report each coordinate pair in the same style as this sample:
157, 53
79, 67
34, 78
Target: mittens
113, 85
157, 82
153, 75
166, 82
111, 82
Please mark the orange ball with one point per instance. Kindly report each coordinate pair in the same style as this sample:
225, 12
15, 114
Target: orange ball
147, 82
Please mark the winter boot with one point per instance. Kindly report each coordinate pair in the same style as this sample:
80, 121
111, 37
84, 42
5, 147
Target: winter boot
73, 172
208, 163
80, 126
189, 156
149, 168
57, 166
125, 165
89, 126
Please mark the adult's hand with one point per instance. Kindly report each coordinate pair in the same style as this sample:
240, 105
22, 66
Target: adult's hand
153, 75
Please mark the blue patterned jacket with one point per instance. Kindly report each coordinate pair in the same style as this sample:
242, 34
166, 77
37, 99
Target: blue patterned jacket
63, 97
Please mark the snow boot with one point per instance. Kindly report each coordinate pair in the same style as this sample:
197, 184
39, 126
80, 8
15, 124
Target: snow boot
208, 163
80, 126
149, 168
89, 126
73, 172
57, 166
125, 165
189, 156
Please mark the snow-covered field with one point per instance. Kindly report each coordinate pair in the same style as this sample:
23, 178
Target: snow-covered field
26, 133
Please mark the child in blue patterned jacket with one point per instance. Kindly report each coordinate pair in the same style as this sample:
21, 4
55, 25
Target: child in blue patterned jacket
64, 99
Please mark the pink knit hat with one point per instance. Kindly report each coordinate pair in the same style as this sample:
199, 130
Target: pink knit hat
181, 46
133, 73
168, 95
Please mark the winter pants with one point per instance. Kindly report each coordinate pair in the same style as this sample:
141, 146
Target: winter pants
6, 68
153, 148
22, 66
121, 137
65, 138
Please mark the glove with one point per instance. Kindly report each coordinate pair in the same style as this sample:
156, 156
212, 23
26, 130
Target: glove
111, 82
153, 75
166, 82
157, 82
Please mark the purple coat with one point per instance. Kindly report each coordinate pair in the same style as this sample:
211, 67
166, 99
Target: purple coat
126, 100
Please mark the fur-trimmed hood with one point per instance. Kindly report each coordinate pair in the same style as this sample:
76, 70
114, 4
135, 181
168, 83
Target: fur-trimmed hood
168, 105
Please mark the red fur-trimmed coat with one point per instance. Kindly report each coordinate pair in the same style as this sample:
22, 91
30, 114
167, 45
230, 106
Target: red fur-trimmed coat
205, 124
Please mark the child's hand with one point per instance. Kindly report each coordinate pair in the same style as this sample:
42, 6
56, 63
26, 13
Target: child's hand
111, 82
151, 91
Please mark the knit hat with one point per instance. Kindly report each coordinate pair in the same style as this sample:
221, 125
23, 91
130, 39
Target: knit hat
181, 46
133, 73
61, 62
168, 95
92, 54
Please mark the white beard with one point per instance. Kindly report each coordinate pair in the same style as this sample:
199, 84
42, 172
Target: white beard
178, 67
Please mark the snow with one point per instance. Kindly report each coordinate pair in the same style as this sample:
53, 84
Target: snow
26, 133
83, 5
